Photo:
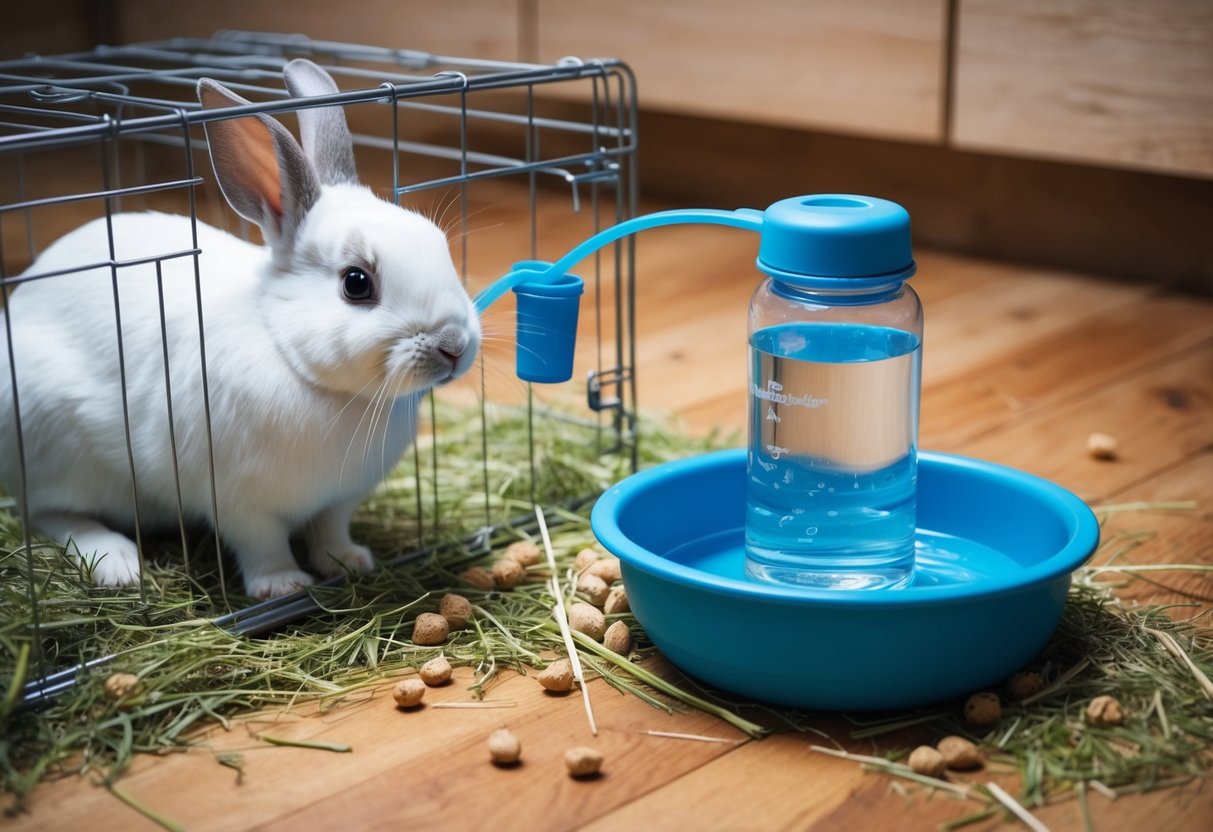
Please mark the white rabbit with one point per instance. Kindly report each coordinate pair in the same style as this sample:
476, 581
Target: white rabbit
317, 348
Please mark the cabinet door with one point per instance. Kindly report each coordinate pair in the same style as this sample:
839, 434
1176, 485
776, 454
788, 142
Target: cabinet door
1123, 82
467, 29
863, 66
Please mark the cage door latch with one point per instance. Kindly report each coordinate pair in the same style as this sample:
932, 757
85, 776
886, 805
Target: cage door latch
600, 400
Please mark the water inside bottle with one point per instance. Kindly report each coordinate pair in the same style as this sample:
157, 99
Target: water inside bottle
833, 455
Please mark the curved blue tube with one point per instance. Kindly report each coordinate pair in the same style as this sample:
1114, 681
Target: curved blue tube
747, 218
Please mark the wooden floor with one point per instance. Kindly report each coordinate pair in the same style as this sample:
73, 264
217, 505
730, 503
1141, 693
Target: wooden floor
1020, 365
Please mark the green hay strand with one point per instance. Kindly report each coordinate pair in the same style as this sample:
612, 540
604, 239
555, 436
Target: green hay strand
337, 747
161, 820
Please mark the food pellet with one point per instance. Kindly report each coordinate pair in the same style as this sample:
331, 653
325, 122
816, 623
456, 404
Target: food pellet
436, 671
618, 638
617, 601
608, 569
523, 552
408, 693
1101, 446
587, 619
557, 676
456, 610
1022, 685
478, 577
121, 685
983, 709
504, 747
429, 629
958, 753
926, 760
584, 560
508, 573
593, 588
583, 761
1105, 710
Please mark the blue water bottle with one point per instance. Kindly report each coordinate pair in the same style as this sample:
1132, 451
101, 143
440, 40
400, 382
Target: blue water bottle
835, 366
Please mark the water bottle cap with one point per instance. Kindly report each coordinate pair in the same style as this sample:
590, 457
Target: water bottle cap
807, 238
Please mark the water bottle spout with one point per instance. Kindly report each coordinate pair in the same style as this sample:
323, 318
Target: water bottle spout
548, 292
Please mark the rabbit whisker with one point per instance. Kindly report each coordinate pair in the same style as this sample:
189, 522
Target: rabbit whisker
455, 237
381, 402
383, 463
337, 416
448, 228
383, 419
354, 434
439, 219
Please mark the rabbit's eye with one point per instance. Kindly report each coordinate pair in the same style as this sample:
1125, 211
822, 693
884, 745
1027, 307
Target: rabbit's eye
357, 285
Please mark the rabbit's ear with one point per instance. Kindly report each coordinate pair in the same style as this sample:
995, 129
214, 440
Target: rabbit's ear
260, 167
326, 136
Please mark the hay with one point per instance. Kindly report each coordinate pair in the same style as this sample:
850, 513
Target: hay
194, 670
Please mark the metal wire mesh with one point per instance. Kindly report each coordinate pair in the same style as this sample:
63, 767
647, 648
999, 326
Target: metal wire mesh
90, 135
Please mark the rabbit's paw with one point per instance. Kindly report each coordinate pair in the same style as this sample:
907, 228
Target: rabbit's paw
338, 560
109, 558
273, 584
112, 558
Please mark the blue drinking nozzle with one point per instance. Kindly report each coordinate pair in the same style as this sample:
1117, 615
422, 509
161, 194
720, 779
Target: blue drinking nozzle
548, 297
806, 240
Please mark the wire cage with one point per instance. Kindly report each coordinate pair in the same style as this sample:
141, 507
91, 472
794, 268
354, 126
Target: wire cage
533, 156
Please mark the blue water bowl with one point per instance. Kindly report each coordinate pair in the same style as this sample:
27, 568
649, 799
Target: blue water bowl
995, 551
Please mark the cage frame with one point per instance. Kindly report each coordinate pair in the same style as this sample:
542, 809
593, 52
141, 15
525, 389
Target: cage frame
236, 58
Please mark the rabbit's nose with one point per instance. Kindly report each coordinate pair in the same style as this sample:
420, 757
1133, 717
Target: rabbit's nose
452, 342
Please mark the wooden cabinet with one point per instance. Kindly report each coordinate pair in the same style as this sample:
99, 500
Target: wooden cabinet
469, 28
873, 67
1117, 82
1114, 83
1106, 82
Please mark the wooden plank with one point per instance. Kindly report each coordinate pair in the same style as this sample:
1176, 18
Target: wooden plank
427, 766
456, 782
874, 68
1176, 536
1099, 81
875, 804
479, 29
964, 331
874, 800
773, 784
1161, 416
187, 786
1081, 357
1187, 808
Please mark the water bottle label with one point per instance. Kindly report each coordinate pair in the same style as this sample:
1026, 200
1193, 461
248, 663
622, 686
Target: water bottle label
776, 452
772, 392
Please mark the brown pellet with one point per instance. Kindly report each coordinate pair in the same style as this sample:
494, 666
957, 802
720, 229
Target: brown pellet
408, 693
583, 761
429, 629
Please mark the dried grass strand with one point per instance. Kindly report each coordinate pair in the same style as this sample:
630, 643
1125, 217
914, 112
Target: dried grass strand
1014, 807
562, 621
1172, 646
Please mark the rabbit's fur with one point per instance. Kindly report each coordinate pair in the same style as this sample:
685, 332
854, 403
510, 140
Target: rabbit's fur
313, 390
